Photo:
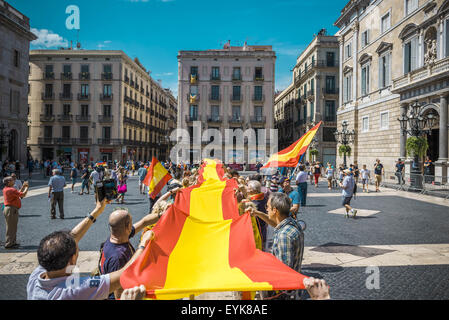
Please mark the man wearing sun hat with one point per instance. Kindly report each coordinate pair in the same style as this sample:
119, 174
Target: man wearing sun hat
348, 190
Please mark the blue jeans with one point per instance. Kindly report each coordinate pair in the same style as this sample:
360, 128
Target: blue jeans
302, 189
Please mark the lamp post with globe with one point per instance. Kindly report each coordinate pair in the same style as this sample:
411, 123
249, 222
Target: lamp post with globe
345, 138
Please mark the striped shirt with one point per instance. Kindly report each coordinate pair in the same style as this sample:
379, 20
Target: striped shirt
287, 243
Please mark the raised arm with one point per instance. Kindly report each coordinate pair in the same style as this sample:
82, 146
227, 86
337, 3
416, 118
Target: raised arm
148, 220
264, 217
81, 228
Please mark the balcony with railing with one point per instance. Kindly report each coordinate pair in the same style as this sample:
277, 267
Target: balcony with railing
83, 141
83, 96
258, 119
190, 118
105, 118
47, 117
236, 77
106, 97
65, 140
215, 77
66, 96
82, 118
236, 98
49, 75
330, 90
106, 141
45, 140
106, 76
65, 117
235, 119
193, 98
421, 75
214, 119
258, 77
259, 97
48, 96
84, 76
66, 76
214, 97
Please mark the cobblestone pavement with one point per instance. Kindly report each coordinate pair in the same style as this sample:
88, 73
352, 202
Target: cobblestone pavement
405, 235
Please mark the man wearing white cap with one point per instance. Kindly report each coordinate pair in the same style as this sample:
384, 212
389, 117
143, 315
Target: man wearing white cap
348, 190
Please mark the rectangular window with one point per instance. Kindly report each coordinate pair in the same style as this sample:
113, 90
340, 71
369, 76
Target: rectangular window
66, 90
305, 113
384, 71
84, 68
330, 59
258, 93
84, 132
328, 134
236, 75
411, 55
107, 90
107, 110
16, 58
48, 89
236, 92
347, 87
85, 110
193, 113
66, 132
410, 6
365, 38
194, 71
215, 112
107, 133
258, 112
447, 37
236, 112
330, 84
312, 109
193, 90
365, 124
14, 101
365, 80
348, 50
66, 109
48, 132
107, 68
384, 123
67, 69
330, 112
85, 90
215, 92
48, 109
215, 73
385, 23
258, 73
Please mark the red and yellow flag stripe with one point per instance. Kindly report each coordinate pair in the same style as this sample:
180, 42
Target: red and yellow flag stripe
202, 244
157, 177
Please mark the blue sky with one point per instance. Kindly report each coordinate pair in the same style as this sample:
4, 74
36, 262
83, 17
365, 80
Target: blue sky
155, 30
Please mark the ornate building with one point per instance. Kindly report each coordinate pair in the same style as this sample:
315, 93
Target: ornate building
311, 97
15, 37
394, 53
87, 105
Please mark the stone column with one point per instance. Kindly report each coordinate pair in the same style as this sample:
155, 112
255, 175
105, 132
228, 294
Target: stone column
442, 163
403, 135
355, 49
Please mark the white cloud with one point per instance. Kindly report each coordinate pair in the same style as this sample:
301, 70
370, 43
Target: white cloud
165, 74
48, 39
103, 44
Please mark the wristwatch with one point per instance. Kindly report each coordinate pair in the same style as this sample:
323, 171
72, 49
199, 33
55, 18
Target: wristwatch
142, 247
91, 217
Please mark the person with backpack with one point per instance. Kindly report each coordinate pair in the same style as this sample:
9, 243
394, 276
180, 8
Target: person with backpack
74, 176
348, 186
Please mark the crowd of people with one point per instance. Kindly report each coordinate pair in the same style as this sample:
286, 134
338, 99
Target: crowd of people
272, 210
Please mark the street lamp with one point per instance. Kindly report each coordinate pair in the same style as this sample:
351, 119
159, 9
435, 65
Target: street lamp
344, 137
416, 125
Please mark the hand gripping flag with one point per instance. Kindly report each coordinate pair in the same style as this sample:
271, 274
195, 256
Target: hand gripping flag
156, 178
289, 157
202, 244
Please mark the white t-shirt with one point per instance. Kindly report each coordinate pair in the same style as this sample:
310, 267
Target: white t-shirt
364, 173
95, 177
76, 288
18, 184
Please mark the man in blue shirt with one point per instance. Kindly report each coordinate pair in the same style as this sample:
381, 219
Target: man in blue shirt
56, 193
348, 191
301, 182
292, 194
142, 173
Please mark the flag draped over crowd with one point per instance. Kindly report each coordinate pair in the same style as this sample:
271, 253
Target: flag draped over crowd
156, 178
202, 244
289, 157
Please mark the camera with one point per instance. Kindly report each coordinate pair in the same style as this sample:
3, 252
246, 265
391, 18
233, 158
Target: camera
107, 189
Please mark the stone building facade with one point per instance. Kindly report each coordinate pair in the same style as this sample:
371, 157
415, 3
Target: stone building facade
311, 97
394, 53
15, 37
229, 88
89, 105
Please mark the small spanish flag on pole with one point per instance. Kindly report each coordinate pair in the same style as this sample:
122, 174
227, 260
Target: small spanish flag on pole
289, 157
156, 178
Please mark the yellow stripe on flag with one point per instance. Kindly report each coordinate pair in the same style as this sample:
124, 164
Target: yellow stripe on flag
159, 173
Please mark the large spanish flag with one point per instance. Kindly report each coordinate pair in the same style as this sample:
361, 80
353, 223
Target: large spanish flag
156, 178
289, 157
202, 244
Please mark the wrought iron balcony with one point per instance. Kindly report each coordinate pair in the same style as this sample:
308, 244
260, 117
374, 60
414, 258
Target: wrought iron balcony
45, 140
66, 76
65, 117
83, 97
47, 117
105, 141
106, 97
48, 96
192, 118
66, 96
49, 75
83, 141
258, 77
106, 76
258, 119
82, 118
214, 118
330, 91
214, 97
84, 76
215, 77
105, 119
235, 119
259, 97
236, 77
236, 98
65, 140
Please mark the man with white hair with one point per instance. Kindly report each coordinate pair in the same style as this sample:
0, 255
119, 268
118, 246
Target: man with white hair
56, 186
259, 198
